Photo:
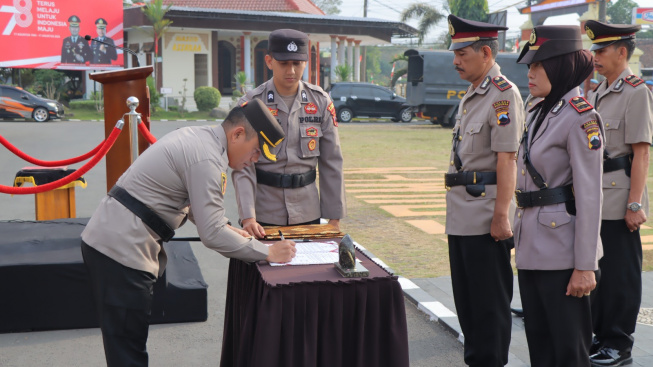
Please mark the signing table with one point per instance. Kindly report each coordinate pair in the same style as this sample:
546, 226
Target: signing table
311, 316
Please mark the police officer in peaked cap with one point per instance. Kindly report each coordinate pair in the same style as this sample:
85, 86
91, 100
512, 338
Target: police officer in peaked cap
281, 188
480, 183
74, 49
182, 176
626, 107
102, 53
559, 165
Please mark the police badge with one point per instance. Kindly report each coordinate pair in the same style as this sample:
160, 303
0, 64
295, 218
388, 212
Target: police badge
292, 47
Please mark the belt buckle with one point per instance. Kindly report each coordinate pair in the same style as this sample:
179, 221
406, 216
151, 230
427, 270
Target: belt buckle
517, 200
286, 181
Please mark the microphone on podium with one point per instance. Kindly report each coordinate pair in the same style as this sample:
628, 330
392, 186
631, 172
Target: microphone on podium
124, 49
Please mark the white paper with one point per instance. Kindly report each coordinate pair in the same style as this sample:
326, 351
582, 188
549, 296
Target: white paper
313, 253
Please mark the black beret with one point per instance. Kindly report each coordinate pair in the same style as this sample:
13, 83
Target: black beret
288, 44
268, 128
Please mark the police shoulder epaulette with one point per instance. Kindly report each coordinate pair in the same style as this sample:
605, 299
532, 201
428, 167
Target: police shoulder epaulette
580, 104
501, 83
633, 80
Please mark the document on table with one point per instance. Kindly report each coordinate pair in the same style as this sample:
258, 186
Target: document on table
313, 253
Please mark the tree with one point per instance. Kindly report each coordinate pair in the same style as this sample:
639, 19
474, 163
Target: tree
429, 17
403, 70
373, 62
469, 9
155, 12
49, 82
330, 7
621, 11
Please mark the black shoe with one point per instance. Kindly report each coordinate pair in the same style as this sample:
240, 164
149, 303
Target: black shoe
519, 312
607, 356
596, 345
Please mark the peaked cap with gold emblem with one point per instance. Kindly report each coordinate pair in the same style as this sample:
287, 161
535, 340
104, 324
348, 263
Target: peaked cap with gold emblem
549, 41
74, 21
101, 23
603, 34
288, 44
465, 32
270, 132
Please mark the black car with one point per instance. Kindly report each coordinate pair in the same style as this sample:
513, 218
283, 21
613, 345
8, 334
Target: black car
17, 103
366, 99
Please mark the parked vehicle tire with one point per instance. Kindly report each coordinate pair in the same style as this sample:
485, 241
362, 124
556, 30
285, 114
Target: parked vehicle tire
451, 121
345, 115
406, 114
40, 114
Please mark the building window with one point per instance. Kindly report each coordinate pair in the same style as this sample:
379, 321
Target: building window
201, 70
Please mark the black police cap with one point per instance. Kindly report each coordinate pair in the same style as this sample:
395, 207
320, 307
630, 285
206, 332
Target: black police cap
549, 41
465, 32
603, 34
270, 132
288, 44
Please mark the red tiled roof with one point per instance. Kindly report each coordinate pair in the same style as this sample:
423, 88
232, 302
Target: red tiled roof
294, 6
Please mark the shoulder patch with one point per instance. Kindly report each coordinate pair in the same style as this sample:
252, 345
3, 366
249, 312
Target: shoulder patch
580, 104
223, 184
332, 111
634, 80
593, 133
501, 109
501, 83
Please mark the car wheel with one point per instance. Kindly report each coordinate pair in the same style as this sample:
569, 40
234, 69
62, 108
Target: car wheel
40, 114
406, 115
345, 115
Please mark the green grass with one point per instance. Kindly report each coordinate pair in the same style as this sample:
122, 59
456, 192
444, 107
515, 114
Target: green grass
82, 114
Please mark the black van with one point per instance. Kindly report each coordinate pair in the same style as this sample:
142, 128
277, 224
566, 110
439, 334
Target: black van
366, 99
17, 103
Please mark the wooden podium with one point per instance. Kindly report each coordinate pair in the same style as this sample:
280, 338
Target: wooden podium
118, 86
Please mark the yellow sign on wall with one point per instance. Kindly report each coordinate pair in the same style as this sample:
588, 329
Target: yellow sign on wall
185, 42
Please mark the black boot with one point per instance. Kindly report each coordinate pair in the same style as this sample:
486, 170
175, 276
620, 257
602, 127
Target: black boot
607, 356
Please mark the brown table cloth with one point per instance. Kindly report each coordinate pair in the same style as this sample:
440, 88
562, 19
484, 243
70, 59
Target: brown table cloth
311, 316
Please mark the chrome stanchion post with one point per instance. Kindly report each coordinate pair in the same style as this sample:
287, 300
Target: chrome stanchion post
134, 120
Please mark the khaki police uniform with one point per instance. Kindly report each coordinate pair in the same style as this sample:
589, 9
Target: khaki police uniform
626, 108
311, 141
557, 222
489, 121
121, 244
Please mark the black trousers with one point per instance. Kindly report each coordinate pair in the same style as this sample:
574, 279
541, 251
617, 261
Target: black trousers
558, 327
616, 302
123, 298
316, 221
482, 279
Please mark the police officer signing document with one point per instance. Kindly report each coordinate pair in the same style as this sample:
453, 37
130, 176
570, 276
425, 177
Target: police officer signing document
626, 108
480, 184
186, 169
280, 189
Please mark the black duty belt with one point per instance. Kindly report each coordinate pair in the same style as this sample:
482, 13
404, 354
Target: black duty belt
615, 164
470, 178
147, 215
285, 181
544, 197
474, 182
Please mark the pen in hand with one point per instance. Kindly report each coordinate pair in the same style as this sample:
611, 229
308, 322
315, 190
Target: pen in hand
281, 235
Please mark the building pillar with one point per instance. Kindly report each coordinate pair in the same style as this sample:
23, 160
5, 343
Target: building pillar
334, 60
357, 61
350, 54
247, 56
341, 49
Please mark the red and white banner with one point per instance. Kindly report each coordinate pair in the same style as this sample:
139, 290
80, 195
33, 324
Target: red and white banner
49, 34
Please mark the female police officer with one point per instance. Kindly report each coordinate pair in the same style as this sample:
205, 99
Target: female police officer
559, 200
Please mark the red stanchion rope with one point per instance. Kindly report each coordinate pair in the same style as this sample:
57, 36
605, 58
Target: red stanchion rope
146, 133
70, 178
41, 163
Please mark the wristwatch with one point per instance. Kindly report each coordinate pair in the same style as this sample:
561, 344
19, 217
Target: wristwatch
634, 206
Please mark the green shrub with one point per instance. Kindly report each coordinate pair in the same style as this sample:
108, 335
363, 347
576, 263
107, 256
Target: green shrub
155, 96
85, 104
206, 98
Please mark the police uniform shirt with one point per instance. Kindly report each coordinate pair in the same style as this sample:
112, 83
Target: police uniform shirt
185, 167
484, 132
626, 111
311, 139
70, 48
100, 57
564, 150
